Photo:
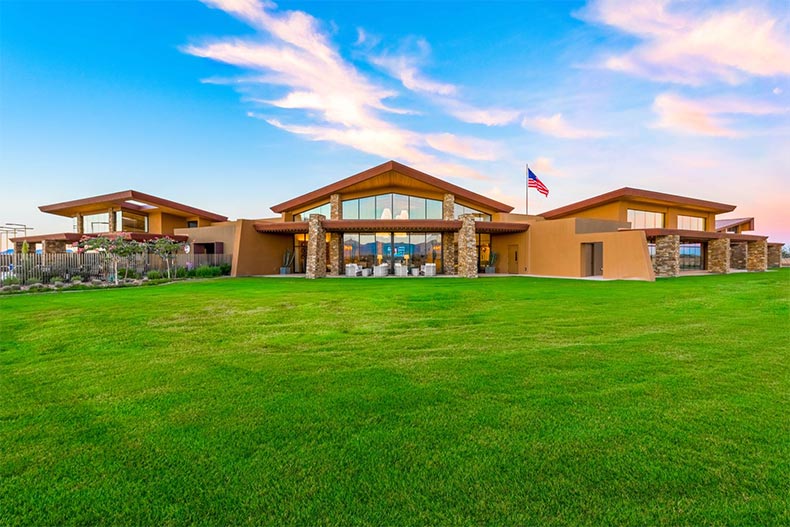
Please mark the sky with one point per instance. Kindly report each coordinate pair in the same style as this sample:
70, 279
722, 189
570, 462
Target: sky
237, 105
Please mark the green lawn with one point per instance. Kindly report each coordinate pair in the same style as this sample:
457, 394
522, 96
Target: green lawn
498, 401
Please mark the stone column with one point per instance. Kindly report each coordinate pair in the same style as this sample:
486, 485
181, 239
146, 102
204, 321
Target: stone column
316, 247
448, 207
112, 221
757, 256
80, 226
467, 248
666, 262
53, 247
719, 255
738, 255
449, 239
335, 238
774, 256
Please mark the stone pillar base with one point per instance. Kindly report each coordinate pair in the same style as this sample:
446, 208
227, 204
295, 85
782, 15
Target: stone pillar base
316, 247
467, 248
719, 256
666, 262
757, 256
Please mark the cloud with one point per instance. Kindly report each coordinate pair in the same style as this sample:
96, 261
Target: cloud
544, 165
777, 91
343, 105
703, 117
684, 44
404, 69
557, 126
486, 116
466, 147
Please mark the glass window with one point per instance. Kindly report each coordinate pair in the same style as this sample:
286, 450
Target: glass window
126, 221
367, 208
462, 209
691, 223
351, 209
433, 246
367, 250
416, 208
433, 209
350, 248
191, 224
305, 215
400, 207
384, 207
691, 256
642, 219
96, 223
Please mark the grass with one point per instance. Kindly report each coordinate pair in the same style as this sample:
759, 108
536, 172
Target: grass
498, 401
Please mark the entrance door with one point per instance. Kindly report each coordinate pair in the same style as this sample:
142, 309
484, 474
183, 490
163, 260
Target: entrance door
592, 259
512, 259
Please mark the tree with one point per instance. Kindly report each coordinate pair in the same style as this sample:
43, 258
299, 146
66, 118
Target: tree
114, 250
165, 248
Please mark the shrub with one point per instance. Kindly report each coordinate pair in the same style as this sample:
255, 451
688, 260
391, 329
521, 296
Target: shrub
11, 280
33, 281
206, 271
181, 272
224, 269
55, 279
126, 273
154, 275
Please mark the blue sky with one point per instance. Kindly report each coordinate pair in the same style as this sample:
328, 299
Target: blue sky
235, 106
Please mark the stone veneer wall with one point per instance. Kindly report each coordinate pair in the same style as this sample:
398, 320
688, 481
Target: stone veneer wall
738, 255
316, 247
449, 239
335, 239
757, 256
774, 256
719, 255
666, 262
53, 246
467, 248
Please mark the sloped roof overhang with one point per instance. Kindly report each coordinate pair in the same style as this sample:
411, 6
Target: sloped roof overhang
73, 237
121, 199
638, 194
700, 236
338, 186
298, 227
728, 223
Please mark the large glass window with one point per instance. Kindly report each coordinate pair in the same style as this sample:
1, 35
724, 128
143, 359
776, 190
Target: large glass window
691, 223
462, 209
413, 249
642, 219
126, 221
96, 223
305, 215
691, 257
392, 207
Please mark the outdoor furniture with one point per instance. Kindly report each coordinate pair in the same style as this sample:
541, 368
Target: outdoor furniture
401, 270
415, 271
353, 269
381, 270
430, 269
365, 271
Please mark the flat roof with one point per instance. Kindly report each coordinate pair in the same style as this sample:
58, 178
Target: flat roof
701, 235
131, 200
637, 194
727, 223
334, 188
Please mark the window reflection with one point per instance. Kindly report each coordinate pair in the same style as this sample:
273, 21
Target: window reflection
642, 219
392, 206
305, 215
691, 223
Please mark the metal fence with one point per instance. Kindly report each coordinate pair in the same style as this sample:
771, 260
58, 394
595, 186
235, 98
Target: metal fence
46, 268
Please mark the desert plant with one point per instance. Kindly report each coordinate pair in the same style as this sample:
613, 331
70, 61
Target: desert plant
114, 250
166, 248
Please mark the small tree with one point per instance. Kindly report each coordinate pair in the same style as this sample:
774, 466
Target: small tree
165, 248
114, 250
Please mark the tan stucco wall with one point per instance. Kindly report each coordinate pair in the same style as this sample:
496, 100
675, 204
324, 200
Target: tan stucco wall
258, 253
555, 250
499, 245
220, 232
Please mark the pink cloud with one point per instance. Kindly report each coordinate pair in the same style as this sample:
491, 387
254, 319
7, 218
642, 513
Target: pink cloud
556, 125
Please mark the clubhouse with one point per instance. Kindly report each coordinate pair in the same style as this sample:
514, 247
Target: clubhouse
394, 220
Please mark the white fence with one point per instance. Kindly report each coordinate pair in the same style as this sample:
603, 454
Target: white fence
25, 268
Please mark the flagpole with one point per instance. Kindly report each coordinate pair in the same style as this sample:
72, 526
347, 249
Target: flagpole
526, 193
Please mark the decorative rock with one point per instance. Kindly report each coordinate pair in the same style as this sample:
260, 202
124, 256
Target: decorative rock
738, 255
316, 247
719, 256
757, 257
666, 262
467, 248
774, 256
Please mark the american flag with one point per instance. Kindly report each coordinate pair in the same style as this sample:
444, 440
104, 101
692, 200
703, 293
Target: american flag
534, 182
